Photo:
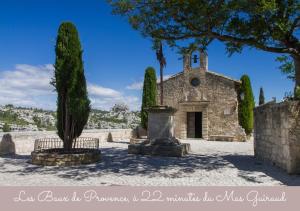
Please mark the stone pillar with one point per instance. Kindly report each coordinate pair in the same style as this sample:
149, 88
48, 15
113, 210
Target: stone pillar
187, 62
203, 60
161, 122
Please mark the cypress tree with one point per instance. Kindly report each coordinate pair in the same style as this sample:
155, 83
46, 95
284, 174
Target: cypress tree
261, 96
73, 105
149, 95
246, 104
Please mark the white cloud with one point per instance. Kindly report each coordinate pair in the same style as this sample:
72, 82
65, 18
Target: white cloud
29, 86
135, 86
139, 85
99, 91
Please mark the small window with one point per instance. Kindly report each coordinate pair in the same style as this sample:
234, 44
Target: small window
195, 82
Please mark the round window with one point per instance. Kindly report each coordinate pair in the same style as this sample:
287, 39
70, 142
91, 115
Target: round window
195, 82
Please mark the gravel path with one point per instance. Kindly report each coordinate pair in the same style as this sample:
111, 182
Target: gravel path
210, 163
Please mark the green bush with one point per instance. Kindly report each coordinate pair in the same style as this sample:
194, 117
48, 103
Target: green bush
149, 95
6, 128
246, 104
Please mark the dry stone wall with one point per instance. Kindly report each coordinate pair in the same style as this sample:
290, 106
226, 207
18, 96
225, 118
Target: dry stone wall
277, 134
24, 141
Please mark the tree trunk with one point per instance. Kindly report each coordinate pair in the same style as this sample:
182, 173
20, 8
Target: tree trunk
297, 77
67, 141
161, 86
297, 71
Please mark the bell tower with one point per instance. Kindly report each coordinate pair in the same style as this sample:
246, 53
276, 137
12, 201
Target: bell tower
195, 78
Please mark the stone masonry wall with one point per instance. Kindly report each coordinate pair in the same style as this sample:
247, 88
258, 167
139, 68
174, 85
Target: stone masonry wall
277, 134
24, 141
218, 103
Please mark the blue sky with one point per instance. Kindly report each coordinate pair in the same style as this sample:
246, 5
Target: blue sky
115, 56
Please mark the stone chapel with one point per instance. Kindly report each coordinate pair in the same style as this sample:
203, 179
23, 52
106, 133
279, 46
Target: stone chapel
206, 102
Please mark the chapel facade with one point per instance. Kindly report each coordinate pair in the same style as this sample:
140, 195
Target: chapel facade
206, 103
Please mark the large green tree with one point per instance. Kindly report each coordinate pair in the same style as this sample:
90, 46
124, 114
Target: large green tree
73, 105
268, 25
246, 104
149, 95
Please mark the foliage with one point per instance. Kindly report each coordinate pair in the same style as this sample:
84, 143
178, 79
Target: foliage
287, 66
11, 118
261, 96
73, 105
297, 93
149, 95
271, 26
42, 124
6, 128
246, 104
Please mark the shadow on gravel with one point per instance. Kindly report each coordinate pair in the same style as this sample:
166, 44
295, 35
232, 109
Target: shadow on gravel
248, 165
117, 161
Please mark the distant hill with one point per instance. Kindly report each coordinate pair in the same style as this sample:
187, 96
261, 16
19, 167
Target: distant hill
34, 119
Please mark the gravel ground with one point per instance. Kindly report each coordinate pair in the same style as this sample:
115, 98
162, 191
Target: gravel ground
210, 163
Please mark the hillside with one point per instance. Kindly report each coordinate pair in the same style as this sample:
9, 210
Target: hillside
34, 119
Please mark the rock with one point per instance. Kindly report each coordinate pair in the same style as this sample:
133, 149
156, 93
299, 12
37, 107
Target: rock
7, 146
109, 137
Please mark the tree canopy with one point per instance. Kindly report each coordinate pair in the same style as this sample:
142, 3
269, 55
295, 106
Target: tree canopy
268, 25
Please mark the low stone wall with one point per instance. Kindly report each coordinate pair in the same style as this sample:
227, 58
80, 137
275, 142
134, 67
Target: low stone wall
277, 134
24, 141
54, 159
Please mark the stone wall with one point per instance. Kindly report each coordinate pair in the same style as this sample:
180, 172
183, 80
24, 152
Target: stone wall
277, 134
215, 97
24, 141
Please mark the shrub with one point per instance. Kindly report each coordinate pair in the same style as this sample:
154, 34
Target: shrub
246, 105
6, 128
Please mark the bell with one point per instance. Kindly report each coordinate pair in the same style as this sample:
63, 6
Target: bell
195, 58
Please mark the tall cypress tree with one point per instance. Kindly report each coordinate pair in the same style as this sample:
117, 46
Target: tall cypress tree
261, 96
246, 104
149, 95
73, 105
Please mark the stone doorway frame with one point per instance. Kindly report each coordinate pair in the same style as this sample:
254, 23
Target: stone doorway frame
192, 106
194, 125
